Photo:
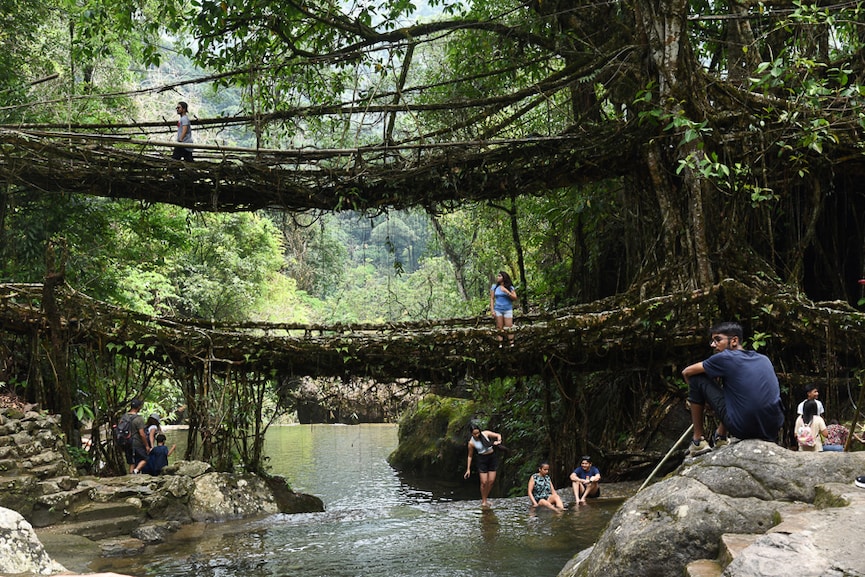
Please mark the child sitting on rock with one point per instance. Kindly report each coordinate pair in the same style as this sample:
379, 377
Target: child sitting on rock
158, 457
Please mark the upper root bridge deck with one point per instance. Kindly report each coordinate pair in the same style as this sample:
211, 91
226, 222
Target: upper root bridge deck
230, 179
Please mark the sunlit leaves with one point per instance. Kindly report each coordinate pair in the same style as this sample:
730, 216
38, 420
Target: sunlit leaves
18, 34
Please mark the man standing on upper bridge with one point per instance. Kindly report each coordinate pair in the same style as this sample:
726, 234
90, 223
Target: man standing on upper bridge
184, 134
747, 400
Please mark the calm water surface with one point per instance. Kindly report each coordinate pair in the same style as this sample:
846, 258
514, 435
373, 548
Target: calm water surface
374, 524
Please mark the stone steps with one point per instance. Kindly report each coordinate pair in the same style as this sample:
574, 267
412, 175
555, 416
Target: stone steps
794, 519
79, 509
704, 568
731, 545
100, 529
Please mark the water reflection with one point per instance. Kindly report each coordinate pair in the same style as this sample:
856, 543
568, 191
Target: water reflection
373, 525
489, 526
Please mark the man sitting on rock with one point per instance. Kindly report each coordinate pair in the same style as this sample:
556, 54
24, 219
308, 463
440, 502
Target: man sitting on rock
747, 401
584, 481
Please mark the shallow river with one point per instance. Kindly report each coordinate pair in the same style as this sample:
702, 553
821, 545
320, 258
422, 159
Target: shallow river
375, 524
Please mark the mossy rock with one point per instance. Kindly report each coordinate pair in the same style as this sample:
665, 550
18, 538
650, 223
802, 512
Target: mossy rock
19, 493
432, 437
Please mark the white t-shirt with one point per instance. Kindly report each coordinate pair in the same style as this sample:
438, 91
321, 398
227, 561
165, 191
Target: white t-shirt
820, 409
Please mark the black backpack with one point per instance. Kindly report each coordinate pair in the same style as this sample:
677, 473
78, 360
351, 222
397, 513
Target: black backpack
123, 431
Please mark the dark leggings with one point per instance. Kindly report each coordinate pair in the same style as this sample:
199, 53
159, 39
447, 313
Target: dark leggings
702, 390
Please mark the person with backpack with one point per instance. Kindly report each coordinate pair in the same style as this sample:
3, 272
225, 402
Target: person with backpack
130, 436
810, 428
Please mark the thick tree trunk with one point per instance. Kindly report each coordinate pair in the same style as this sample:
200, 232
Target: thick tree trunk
808, 239
742, 55
61, 394
670, 66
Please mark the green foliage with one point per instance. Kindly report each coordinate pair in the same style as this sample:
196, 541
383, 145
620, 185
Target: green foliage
104, 31
568, 240
397, 238
473, 235
316, 250
518, 409
81, 459
759, 340
18, 36
814, 80
375, 295
285, 303
83, 412
228, 261
158, 260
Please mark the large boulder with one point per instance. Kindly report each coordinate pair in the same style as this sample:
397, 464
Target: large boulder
817, 543
224, 496
433, 437
290, 502
744, 488
20, 549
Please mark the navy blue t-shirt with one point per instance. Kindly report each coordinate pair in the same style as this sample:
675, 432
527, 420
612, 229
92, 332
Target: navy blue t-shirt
583, 474
751, 391
157, 460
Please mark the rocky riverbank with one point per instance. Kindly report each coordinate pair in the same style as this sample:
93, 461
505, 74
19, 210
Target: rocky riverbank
750, 509
40, 488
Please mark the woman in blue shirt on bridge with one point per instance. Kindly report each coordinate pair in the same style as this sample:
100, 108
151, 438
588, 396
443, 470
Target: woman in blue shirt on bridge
502, 297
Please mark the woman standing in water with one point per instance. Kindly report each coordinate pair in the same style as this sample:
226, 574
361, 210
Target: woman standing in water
502, 297
482, 443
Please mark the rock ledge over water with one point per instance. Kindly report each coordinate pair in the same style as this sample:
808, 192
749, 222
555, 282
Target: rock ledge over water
786, 510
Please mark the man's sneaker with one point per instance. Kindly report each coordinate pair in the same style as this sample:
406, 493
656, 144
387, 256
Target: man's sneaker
698, 447
860, 482
718, 441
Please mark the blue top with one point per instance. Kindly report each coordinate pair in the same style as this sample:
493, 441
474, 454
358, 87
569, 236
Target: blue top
480, 448
583, 474
503, 302
751, 392
157, 460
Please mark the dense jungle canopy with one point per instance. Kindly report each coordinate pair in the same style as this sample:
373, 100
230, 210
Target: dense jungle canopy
609, 152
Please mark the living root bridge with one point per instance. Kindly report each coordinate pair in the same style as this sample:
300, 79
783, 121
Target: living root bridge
612, 335
229, 179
